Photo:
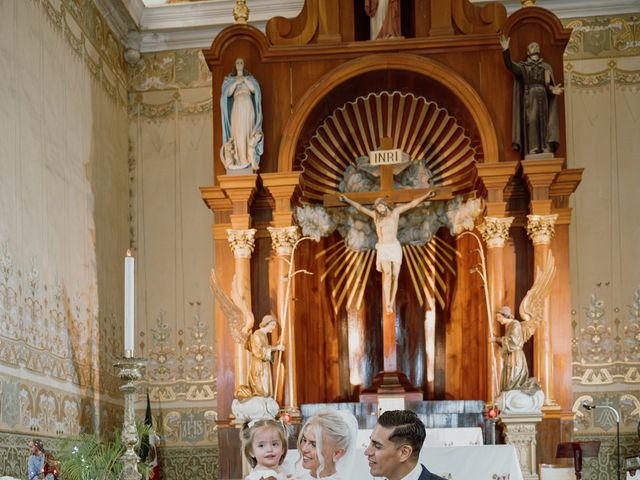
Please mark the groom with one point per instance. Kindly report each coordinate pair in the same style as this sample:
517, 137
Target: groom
395, 445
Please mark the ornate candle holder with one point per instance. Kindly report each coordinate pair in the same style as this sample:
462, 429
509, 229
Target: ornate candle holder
130, 373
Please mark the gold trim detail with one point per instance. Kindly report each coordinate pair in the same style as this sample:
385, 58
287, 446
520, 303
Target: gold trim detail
540, 228
242, 242
495, 231
283, 239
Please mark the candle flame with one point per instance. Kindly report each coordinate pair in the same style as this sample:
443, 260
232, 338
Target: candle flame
129, 254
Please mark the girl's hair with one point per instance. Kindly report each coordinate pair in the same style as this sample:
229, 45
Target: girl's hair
327, 425
249, 431
38, 444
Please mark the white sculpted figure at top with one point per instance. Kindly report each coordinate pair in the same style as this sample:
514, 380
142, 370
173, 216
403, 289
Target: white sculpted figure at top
241, 110
388, 248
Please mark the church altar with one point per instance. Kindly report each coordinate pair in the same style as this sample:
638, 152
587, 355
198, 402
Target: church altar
369, 229
477, 462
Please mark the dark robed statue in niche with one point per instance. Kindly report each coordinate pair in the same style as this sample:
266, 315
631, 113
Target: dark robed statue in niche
535, 128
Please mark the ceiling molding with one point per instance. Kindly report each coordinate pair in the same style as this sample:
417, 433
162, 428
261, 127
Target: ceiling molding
195, 24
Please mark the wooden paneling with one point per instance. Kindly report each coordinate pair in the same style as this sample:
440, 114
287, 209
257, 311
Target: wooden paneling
317, 331
560, 315
466, 329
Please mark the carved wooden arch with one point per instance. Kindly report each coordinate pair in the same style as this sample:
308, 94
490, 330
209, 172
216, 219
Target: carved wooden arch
406, 62
542, 18
231, 34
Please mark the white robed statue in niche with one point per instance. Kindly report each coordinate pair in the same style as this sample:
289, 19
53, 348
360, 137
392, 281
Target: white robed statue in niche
241, 110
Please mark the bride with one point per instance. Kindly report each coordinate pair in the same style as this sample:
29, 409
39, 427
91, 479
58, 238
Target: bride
327, 445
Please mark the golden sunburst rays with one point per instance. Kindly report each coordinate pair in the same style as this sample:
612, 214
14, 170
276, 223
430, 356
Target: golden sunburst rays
349, 272
417, 126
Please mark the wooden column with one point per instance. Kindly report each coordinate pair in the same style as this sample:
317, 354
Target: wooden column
539, 175
283, 240
282, 187
242, 243
240, 189
495, 231
563, 186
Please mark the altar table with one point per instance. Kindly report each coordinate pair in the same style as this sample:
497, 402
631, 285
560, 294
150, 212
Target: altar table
477, 462
438, 437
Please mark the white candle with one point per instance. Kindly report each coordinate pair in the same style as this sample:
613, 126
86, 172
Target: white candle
128, 304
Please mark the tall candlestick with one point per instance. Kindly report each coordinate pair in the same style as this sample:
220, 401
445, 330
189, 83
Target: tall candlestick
129, 307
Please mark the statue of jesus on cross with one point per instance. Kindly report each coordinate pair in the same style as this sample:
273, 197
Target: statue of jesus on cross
388, 248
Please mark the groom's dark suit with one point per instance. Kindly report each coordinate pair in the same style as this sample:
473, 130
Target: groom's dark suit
427, 475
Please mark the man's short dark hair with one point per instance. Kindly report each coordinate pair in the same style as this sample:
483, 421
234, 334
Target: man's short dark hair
407, 429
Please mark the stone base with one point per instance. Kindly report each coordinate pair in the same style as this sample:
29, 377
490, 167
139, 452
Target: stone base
520, 431
254, 408
240, 170
517, 402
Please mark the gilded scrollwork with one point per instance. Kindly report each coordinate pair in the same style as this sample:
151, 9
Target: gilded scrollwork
95, 43
631, 331
495, 231
51, 331
540, 228
603, 37
181, 366
199, 360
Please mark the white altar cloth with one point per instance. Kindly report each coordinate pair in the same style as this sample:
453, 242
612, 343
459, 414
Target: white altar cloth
482, 462
438, 437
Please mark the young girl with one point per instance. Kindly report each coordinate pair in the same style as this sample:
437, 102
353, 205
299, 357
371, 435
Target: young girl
264, 444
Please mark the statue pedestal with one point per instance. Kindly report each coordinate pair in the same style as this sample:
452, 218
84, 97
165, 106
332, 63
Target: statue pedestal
254, 408
391, 384
520, 431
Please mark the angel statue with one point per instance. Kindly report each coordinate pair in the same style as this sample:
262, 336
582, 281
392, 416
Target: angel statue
259, 391
515, 373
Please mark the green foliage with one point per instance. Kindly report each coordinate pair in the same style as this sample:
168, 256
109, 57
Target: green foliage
87, 457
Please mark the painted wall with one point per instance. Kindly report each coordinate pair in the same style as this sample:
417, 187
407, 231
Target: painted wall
602, 76
171, 156
63, 223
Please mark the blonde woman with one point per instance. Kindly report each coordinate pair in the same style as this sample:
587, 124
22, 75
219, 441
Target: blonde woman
327, 445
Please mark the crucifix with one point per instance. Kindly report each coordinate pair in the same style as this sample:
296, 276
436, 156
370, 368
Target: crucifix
385, 163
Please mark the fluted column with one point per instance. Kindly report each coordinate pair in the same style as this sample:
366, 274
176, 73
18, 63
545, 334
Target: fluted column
283, 240
495, 231
242, 243
540, 229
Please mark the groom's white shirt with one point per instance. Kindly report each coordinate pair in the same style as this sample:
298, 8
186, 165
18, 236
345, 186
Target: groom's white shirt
414, 474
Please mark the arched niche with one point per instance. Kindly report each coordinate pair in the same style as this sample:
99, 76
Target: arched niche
403, 72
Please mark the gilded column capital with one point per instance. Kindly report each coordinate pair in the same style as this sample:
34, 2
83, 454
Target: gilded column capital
541, 228
283, 239
495, 230
242, 242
